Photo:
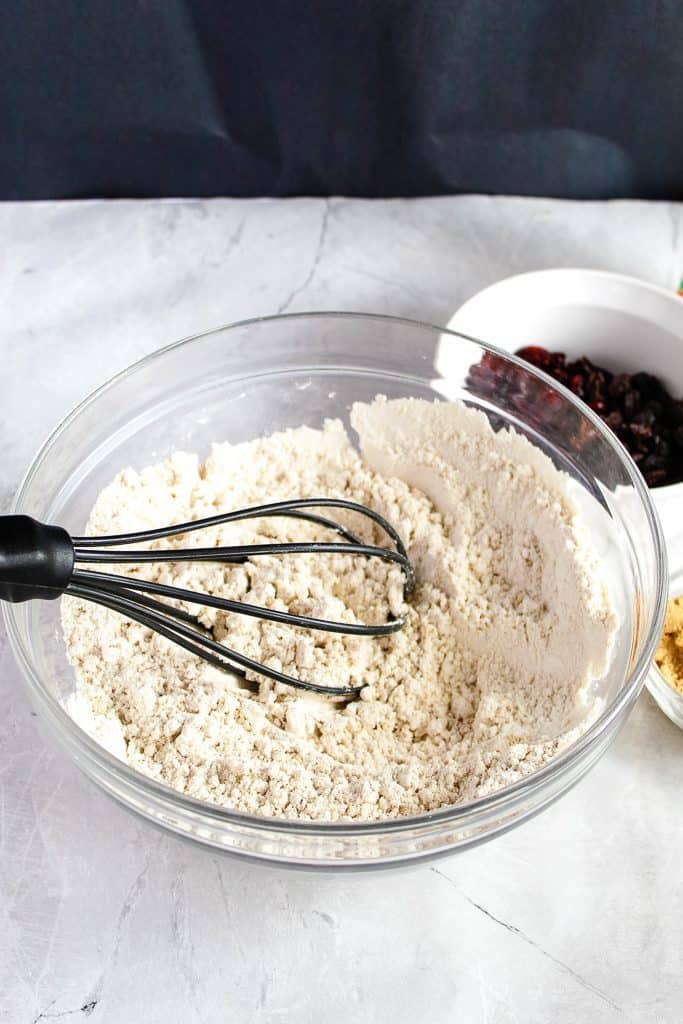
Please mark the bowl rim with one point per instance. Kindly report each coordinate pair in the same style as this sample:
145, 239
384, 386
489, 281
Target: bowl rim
589, 272
453, 813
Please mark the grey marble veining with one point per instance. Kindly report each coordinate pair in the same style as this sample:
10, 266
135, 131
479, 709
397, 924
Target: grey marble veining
575, 916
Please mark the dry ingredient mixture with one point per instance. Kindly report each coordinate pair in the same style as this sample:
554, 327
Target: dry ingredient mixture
669, 654
489, 678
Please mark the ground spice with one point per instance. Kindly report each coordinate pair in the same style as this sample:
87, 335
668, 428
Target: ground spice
669, 654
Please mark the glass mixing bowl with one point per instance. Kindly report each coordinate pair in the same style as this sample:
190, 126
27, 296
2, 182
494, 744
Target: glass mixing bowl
252, 378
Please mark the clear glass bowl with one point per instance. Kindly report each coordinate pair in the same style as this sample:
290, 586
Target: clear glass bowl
253, 378
669, 700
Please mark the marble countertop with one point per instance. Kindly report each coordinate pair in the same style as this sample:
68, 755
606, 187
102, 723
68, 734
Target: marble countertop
575, 916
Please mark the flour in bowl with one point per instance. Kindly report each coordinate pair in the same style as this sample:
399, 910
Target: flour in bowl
488, 680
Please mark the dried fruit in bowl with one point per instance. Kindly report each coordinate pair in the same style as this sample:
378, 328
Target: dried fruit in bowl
636, 407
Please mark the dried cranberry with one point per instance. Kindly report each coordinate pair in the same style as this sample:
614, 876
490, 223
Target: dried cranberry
648, 386
536, 355
614, 420
654, 462
631, 404
656, 477
583, 365
619, 387
640, 439
576, 382
662, 446
645, 418
595, 380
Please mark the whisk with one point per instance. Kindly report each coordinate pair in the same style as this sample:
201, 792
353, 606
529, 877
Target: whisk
39, 561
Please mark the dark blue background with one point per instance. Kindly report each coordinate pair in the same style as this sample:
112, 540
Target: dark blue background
361, 97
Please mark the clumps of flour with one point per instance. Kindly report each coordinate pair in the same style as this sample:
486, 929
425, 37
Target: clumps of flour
487, 681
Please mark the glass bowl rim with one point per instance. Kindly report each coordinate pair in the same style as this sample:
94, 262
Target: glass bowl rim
450, 814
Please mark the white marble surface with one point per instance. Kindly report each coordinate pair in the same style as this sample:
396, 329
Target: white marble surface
575, 916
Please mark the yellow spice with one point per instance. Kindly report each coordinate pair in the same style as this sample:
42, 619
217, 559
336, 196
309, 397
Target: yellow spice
669, 654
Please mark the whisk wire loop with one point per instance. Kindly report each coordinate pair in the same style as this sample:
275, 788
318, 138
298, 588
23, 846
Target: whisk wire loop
38, 561
202, 645
118, 584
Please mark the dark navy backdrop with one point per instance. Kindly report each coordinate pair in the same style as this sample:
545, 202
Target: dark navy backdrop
362, 97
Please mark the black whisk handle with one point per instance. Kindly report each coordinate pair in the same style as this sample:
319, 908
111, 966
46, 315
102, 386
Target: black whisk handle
36, 561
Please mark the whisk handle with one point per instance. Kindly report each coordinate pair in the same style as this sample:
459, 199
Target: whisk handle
36, 560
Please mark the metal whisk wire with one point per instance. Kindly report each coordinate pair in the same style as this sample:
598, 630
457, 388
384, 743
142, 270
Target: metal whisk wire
131, 597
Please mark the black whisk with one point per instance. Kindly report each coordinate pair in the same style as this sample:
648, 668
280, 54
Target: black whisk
38, 561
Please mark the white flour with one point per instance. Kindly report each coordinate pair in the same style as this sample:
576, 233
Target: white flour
485, 683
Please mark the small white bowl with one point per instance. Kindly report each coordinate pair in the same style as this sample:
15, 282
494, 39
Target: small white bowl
669, 700
620, 322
